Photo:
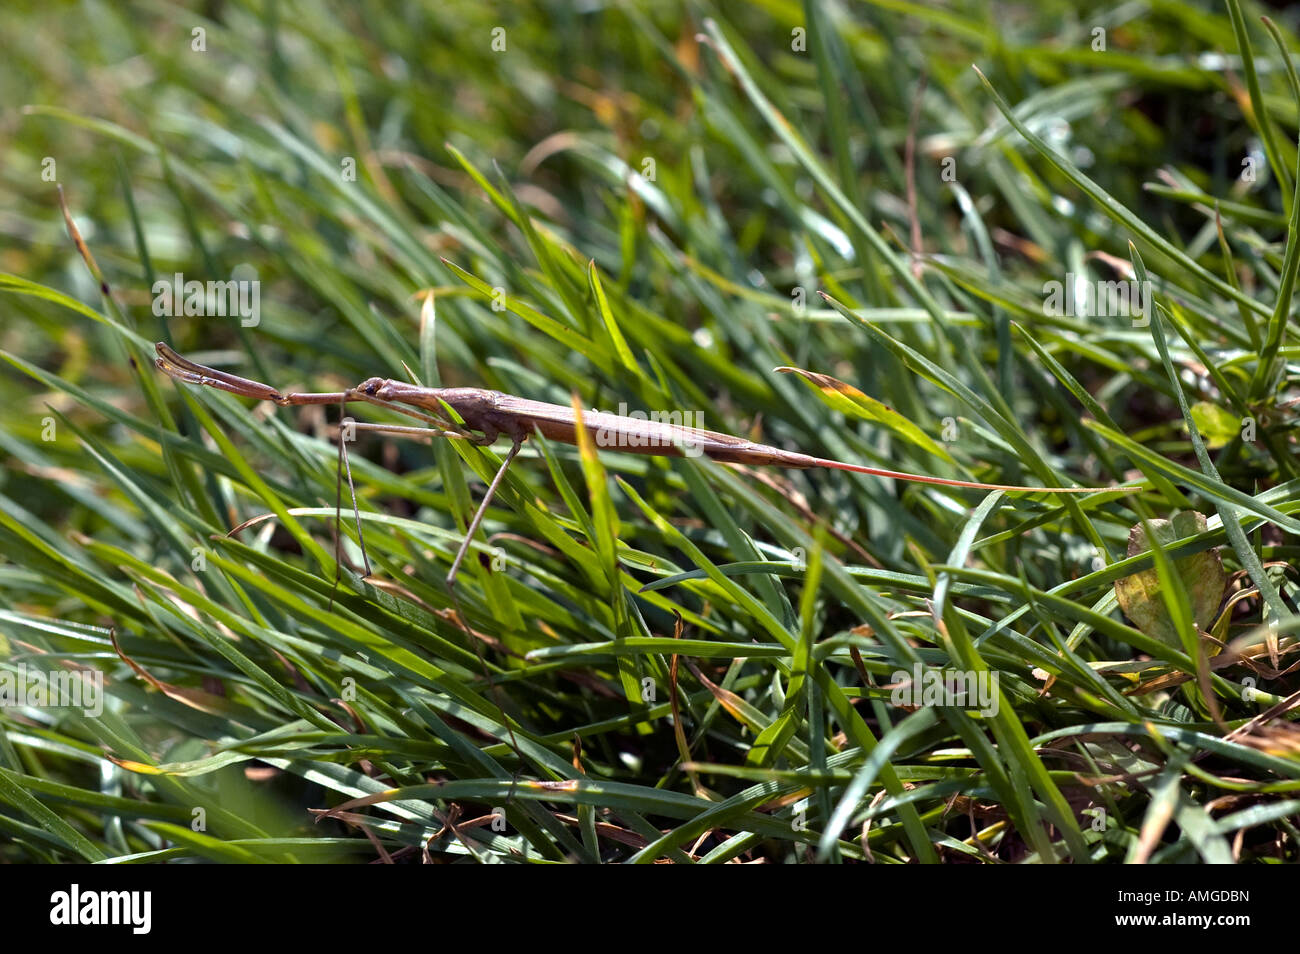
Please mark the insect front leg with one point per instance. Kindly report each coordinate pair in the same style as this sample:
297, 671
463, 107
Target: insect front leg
348, 427
482, 508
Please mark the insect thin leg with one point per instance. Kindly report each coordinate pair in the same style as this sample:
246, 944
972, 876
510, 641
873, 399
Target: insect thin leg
352, 491
482, 509
345, 466
488, 684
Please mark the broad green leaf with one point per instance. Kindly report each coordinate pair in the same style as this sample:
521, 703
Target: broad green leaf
1217, 425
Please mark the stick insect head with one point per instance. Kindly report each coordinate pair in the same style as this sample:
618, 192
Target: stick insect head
390, 393
387, 389
474, 405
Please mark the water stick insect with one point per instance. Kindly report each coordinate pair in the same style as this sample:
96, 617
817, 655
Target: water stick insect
492, 414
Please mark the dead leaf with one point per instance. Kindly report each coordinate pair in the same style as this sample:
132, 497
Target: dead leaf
1202, 574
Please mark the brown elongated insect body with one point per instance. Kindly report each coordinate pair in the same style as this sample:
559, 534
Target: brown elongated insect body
493, 413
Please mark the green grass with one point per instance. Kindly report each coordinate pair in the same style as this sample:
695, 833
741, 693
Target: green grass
639, 204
